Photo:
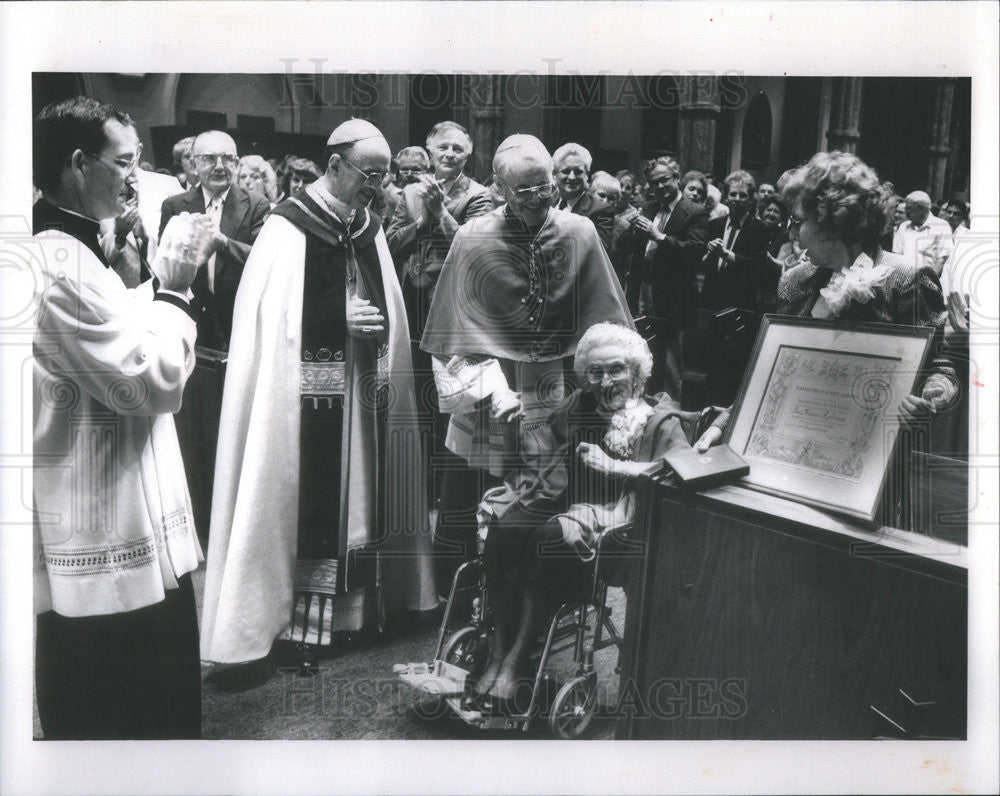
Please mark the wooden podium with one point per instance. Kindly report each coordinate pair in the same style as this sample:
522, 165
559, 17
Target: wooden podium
753, 617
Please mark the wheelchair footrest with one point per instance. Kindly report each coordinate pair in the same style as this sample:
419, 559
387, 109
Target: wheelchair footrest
439, 678
485, 721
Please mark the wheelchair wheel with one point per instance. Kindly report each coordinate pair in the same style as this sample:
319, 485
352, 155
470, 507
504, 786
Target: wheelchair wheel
573, 708
469, 649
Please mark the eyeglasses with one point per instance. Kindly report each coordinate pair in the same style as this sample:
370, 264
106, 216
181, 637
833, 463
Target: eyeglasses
662, 180
372, 178
614, 371
414, 170
795, 221
128, 165
207, 160
537, 192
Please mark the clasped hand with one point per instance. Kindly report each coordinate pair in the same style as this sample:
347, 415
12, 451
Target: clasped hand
182, 250
363, 318
596, 459
506, 405
646, 225
915, 408
433, 195
128, 221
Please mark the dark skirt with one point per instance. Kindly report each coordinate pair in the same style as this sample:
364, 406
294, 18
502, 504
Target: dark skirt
525, 551
127, 676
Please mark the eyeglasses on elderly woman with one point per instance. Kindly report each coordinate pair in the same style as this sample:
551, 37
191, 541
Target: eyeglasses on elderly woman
615, 372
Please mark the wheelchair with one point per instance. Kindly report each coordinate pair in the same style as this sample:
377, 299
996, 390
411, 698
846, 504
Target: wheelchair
583, 625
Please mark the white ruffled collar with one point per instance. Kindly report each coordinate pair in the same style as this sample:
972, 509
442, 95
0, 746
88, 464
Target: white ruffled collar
855, 283
627, 425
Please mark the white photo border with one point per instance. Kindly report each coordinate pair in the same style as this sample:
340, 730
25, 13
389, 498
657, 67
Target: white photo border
773, 38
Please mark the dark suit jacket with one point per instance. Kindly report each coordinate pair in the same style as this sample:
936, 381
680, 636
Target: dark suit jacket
601, 214
419, 251
673, 269
738, 283
242, 217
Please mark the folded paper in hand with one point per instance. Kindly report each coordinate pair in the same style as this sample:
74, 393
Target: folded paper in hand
718, 465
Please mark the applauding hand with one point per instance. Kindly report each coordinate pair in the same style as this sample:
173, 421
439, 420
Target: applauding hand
643, 224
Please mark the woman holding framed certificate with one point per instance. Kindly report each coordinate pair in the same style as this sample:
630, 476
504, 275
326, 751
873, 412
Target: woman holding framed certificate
840, 211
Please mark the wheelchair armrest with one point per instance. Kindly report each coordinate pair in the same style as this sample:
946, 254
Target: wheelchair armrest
485, 512
611, 567
622, 528
608, 537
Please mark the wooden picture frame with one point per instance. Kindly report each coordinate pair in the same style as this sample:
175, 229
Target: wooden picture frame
816, 416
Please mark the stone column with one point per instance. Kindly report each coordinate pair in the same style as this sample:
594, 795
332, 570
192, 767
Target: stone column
845, 115
482, 112
698, 116
938, 149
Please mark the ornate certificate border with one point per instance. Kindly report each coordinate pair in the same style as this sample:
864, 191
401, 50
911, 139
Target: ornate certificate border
816, 415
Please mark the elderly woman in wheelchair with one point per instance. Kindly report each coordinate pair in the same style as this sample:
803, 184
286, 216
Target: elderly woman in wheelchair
543, 523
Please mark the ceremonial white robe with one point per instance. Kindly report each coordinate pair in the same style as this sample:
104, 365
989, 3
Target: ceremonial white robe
253, 537
113, 526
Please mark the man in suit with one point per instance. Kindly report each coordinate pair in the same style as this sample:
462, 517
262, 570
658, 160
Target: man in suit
664, 243
737, 271
735, 264
572, 164
238, 218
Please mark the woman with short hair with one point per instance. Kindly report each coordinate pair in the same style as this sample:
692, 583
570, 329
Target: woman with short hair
694, 186
840, 211
299, 172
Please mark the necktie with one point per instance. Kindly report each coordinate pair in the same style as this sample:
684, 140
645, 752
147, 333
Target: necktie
214, 211
730, 239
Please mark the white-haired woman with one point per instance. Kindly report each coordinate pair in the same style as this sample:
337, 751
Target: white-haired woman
602, 439
255, 176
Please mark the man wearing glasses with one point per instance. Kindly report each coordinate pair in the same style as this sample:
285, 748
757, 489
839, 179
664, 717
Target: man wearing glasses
116, 649
319, 463
518, 288
665, 242
572, 171
406, 168
237, 216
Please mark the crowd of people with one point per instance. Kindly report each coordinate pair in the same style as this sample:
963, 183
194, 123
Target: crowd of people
400, 340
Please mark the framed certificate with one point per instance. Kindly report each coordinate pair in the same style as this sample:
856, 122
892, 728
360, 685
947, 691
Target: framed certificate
816, 415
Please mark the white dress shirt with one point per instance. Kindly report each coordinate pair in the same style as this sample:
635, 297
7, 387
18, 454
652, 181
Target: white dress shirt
929, 244
213, 209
